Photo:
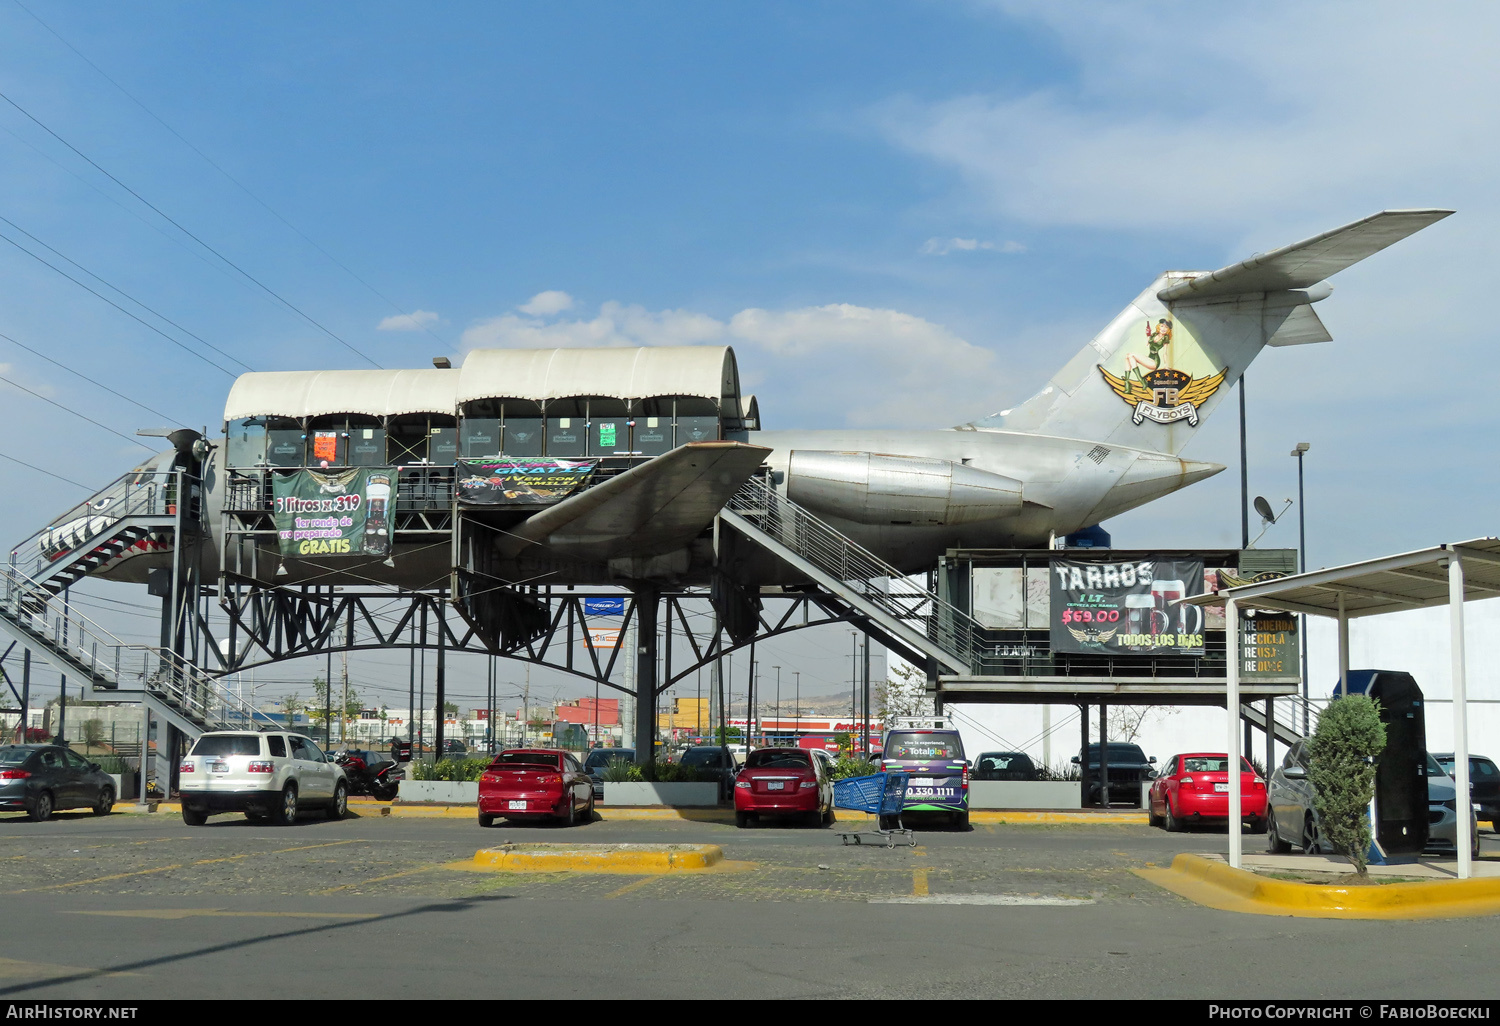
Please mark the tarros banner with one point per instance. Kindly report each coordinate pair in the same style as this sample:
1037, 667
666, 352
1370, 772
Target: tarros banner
1126, 608
520, 482
343, 514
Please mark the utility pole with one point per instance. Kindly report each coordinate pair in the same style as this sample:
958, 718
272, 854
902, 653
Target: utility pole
778, 696
797, 715
344, 708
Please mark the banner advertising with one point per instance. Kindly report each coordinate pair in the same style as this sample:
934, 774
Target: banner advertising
1126, 608
343, 514
520, 482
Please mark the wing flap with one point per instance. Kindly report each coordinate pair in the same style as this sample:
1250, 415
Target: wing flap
1307, 262
650, 509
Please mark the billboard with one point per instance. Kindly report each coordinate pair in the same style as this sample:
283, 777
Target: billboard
334, 514
509, 481
1126, 608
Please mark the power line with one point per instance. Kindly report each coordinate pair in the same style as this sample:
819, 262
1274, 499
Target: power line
85, 377
122, 292
117, 306
67, 409
161, 213
39, 470
216, 166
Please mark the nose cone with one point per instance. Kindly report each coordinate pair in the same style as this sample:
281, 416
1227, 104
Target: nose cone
1150, 476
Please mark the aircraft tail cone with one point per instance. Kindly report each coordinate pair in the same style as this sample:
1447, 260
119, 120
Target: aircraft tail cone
1150, 476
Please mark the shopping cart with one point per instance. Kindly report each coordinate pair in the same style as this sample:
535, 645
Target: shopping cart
882, 796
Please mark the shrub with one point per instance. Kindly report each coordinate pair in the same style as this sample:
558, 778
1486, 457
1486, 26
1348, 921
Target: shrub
846, 766
1341, 769
449, 769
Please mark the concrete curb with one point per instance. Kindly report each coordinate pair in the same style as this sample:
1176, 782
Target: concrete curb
599, 858
1216, 885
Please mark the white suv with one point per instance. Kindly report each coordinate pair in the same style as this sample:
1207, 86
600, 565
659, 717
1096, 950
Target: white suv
265, 776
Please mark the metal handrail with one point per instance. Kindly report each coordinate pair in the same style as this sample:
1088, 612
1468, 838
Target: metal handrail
137, 494
875, 580
163, 673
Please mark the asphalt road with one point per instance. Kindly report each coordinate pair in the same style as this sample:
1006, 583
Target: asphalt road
145, 907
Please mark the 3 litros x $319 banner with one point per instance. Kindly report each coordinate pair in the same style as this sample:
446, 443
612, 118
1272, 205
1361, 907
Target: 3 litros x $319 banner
341, 514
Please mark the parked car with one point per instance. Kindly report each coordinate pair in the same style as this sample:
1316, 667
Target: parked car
1292, 816
1484, 785
265, 776
783, 781
598, 761
1128, 767
453, 746
1005, 766
1194, 787
535, 783
711, 761
939, 779
42, 779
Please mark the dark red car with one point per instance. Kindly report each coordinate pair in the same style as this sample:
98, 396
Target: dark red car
535, 783
1194, 788
783, 781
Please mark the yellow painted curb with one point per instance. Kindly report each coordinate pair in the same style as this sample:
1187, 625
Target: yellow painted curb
599, 858
1216, 885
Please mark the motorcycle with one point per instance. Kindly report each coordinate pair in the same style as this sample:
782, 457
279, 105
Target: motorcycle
370, 773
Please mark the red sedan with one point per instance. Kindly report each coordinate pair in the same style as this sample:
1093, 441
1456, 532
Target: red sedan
535, 783
783, 781
1195, 788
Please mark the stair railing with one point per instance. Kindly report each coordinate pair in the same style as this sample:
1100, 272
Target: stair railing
137, 494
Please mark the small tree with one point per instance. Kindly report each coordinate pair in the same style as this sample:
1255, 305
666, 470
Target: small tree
93, 733
903, 693
1341, 768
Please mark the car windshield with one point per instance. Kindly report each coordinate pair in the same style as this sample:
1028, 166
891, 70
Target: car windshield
923, 747
14, 756
778, 758
1119, 753
1433, 769
227, 744
607, 756
541, 759
703, 757
1209, 764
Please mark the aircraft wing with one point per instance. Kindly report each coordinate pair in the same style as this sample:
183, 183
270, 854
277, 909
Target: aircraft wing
650, 509
1307, 262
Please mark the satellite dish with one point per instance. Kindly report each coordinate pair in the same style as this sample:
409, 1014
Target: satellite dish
1264, 509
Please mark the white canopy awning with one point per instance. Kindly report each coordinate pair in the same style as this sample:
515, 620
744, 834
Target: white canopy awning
377, 393
541, 374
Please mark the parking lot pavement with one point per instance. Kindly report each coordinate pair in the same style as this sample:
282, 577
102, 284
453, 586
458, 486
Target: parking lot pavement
144, 906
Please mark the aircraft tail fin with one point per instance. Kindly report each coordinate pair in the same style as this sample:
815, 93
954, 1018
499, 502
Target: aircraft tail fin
1167, 360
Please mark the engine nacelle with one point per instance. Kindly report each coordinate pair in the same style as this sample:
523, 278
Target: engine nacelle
868, 488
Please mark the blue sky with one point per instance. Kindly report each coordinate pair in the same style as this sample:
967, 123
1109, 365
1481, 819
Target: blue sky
907, 213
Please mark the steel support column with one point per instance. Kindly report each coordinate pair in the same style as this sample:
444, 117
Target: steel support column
647, 598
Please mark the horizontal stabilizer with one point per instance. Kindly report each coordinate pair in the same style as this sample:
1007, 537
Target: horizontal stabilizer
654, 508
1308, 262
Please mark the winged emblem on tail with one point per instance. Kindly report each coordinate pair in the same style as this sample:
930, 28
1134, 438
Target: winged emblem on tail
1165, 395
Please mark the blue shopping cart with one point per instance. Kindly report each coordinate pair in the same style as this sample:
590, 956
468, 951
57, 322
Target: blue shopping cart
882, 796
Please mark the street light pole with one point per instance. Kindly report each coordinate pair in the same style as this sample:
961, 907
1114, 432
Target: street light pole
1299, 451
778, 696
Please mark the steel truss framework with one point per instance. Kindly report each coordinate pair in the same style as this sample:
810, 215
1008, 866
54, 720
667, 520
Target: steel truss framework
272, 624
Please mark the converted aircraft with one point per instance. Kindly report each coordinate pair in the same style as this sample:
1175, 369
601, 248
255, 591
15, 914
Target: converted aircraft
1102, 437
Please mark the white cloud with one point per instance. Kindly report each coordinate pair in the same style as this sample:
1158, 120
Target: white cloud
417, 320
545, 304
832, 365
942, 247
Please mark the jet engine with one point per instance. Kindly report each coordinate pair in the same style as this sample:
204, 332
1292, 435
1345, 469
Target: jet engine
869, 488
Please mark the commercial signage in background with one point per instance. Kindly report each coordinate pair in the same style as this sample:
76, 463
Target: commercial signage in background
604, 637
1269, 644
520, 482
604, 606
344, 514
1132, 608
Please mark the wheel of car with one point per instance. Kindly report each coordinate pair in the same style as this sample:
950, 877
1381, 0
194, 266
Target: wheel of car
285, 812
742, 820
194, 817
106, 801
1258, 825
814, 818
828, 816
1275, 843
486, 819
1152, 819
961, 820
570, 817
588, 812
1310, 845
41, 809
340, 804
1169, 819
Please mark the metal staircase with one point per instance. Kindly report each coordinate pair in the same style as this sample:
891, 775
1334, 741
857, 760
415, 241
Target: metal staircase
879, 598
174, 689
91, 534
1288, 719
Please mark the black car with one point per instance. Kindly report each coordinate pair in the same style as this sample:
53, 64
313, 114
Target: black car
713, 761
1128, 767
599, 760
1484, 785
1005, 766
42, 779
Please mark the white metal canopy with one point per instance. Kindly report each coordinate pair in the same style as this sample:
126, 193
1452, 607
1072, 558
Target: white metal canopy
1443, 575
377, 393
